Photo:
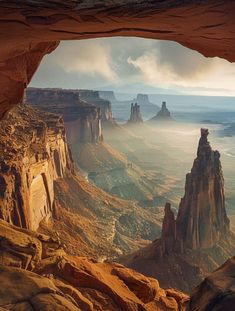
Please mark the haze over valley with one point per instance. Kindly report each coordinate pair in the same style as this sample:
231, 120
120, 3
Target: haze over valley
117, 188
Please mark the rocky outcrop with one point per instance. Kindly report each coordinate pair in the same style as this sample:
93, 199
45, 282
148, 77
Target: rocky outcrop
82, 119
199, 239
39, 189
168, 237
31, 31
57, 281
135, 116
33, 154
216, 292
163, 115
202, 220
93, 97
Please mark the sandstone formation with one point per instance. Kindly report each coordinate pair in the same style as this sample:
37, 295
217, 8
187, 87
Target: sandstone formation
135, 116
33, 154
163, 115
39, 275
105, 166
202, 220
198, 240
30, 31
93, 97
40, 190
216, 292
82, 119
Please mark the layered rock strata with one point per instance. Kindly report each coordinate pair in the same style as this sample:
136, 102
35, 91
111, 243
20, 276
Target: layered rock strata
33, 154
82, 119
135, 116
93, 97
31, 31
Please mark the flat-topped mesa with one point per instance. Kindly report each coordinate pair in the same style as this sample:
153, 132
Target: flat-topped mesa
142, 99
202, 220
135, 116
82, 120
33, 154
164, 114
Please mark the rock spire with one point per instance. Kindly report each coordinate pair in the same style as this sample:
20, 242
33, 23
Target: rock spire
135, 116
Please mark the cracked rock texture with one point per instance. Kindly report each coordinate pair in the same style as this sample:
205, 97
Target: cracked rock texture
33, 154
82, 119
30, 30
57, 281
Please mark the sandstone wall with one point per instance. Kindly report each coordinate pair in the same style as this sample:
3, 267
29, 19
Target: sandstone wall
34, 153
82, 118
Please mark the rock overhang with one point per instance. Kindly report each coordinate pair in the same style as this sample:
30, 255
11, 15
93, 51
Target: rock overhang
30, 30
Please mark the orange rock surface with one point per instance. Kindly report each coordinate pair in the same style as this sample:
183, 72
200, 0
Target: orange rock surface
30, 30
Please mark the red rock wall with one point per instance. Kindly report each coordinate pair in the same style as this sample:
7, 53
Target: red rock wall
29, 31
33, 153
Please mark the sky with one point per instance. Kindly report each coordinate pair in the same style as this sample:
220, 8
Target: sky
135, 65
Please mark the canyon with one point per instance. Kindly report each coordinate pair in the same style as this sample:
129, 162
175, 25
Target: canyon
41, 189
199, 240
30, 31
85, 124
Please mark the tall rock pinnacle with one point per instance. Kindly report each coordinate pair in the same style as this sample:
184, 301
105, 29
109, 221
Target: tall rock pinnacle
202, 220
168, 230
135, 116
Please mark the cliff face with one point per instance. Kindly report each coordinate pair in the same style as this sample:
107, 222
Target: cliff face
93, 97
202, 220
31, 31
34, 153
164, 114
82, 120
135, 116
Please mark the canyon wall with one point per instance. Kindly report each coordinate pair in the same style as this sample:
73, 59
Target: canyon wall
82, 119
93, 97
29, 31
34, 154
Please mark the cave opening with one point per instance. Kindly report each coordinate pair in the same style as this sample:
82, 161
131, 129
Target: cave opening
124, 168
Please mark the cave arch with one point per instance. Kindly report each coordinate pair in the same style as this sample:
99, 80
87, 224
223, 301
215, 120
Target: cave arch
32, 29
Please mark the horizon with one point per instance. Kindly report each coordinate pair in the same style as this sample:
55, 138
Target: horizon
135, 65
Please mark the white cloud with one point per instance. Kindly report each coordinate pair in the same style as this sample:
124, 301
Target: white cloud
89, 58
120, 62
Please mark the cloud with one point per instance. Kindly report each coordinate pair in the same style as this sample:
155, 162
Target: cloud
89, 58
120, 62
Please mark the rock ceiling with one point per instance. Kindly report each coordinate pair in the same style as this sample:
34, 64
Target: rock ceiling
31, 29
